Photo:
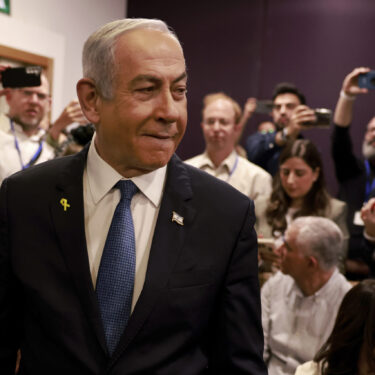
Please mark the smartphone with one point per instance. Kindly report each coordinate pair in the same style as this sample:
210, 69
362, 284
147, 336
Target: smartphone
27, 76
323, 118
367, 80
264, 106
266, 245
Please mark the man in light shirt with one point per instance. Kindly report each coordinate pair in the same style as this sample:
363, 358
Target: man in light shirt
300, 303
23, 141
193, 286
221, 127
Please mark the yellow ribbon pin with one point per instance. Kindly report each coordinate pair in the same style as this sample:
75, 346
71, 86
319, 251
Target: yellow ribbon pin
64, 203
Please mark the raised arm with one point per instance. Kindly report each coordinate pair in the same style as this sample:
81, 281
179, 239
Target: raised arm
72, 113
349, 91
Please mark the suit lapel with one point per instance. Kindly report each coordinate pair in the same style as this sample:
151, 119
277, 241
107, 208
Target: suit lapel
167, 242
67, 210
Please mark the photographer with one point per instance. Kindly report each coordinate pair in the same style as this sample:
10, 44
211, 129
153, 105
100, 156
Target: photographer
23, 142
355, 175
289, 112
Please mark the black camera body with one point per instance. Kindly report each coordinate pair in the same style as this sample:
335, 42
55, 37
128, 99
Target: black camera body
83, 134
27, 76
323, 118
367, 80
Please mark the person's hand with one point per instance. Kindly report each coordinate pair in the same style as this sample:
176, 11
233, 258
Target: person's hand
271, 257
300, 115
72, 113
2, 68
249, 108
268, 253
248, 111
368, 217
350, 84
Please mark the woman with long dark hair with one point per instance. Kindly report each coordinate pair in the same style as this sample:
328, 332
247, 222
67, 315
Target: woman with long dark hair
298, 190
350, 349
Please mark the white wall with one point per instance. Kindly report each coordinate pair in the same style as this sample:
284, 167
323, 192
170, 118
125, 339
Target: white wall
58, 29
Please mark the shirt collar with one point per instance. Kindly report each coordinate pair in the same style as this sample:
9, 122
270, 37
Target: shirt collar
19, 130
228, 162
295, 289
102, 177
328, 285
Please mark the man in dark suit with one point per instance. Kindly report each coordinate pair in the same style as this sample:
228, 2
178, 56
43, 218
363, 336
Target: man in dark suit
194, 296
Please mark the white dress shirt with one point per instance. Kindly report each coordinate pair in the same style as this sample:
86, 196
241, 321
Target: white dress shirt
10, 158
248, 178
295, 326
100, 201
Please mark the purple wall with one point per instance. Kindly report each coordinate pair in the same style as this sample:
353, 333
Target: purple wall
247, 46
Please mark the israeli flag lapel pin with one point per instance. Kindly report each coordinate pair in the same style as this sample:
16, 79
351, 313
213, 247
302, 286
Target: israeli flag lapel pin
177, 218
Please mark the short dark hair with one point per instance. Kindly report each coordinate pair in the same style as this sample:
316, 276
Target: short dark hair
288, 88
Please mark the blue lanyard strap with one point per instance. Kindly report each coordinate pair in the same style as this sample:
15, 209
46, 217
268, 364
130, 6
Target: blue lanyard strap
34, 158
370, 185
233, 169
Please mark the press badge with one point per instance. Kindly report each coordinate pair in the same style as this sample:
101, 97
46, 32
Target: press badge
357, 219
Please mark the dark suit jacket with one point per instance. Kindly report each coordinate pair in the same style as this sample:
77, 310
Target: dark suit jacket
198, 313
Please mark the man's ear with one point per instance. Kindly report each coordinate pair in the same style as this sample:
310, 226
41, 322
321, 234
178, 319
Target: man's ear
313, 262
89, 99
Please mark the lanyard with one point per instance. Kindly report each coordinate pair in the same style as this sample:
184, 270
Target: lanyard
369, 185
233, 169
34, 158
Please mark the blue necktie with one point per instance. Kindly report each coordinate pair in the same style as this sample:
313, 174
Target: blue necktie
115, 283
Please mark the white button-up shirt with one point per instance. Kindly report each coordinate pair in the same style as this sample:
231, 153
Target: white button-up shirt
100, 201
11, 159
248, 178
295, 326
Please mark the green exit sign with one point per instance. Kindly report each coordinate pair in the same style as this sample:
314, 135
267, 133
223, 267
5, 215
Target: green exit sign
5, 6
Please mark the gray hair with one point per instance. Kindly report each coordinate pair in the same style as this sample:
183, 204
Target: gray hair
319, 237
98, 57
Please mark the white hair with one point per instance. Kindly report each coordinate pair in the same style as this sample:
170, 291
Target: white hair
368, 150
98, 52
319, 237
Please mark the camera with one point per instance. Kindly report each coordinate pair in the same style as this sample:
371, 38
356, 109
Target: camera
367, 80
264, 106
82, 134
323, 118
27, 76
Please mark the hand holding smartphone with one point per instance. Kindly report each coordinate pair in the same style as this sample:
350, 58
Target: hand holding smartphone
264, 106
323, 118
367, 80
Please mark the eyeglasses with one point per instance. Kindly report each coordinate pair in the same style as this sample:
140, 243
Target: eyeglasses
287, 246
28, 94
